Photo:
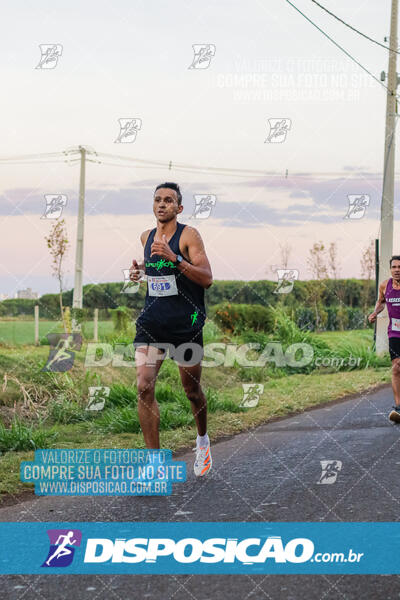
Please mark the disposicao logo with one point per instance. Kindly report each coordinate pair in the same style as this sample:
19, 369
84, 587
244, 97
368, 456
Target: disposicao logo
190, 550
62, 547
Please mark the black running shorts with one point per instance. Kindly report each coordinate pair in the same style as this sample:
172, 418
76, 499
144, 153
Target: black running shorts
186, 349
394, 347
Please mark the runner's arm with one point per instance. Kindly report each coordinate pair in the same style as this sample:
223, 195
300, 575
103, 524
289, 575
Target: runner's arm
134, 271
143, 239
380, 304
199, 270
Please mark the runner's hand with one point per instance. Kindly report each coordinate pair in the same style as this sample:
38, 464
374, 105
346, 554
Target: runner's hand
134, 271
372, 317
162, 249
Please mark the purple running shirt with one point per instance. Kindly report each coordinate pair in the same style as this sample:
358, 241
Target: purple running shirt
392, 298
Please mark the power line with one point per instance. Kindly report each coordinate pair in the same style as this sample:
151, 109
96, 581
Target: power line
339, 46
337, 174
178, 165
116, 160
353, 28
140, 160
34, 156
202, 170
174, 165
40, 162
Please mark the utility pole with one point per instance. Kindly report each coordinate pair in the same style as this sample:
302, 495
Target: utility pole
386, 244
77, 296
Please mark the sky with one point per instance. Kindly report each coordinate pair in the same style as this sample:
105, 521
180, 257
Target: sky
131, 60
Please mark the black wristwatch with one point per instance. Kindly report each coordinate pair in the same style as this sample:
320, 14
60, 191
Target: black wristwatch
178, 261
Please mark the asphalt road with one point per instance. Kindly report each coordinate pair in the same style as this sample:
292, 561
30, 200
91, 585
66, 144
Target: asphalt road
268, 474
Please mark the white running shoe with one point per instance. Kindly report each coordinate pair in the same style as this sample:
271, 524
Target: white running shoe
203, 463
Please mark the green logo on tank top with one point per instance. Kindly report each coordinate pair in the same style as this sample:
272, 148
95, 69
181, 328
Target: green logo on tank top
160, 264
194, 317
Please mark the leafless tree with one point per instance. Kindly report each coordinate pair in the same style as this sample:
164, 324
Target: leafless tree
57, 242
368, 261
317, 261
333, 262
317, 265
367, 273
286, 251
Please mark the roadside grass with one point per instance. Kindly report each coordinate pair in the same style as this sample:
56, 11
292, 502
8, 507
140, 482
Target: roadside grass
358, 336
50, 408
20, 436
281, 397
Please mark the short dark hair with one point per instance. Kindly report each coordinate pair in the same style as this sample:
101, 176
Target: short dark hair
172, 186
397, 257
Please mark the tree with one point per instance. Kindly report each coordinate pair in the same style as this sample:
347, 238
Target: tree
57, 242
368, 261
317, 265
122, 318
367, 274
286, 250
317, 261
333, 263
337, 285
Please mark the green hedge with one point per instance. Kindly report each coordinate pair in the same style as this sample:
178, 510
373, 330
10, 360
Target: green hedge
235, 318
335, 317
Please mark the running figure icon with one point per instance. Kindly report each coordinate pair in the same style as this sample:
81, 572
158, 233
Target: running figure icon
62, 549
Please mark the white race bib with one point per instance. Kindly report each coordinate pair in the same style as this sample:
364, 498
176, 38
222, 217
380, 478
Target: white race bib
162, 285
395, 324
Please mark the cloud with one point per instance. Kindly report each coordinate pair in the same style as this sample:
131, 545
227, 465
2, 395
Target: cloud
254, 203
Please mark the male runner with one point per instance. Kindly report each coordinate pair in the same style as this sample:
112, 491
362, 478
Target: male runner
178, 271
389, 294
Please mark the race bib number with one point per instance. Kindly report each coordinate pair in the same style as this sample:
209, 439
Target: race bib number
162, 285
395, 324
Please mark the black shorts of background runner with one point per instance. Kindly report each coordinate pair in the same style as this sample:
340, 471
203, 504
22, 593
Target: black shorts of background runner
394, 347
186, 355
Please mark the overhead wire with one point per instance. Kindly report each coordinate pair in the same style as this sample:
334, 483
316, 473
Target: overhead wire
340, 47
32, 156
354, 28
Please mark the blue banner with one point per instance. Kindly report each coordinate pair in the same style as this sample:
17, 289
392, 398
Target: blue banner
206, 548
103, 472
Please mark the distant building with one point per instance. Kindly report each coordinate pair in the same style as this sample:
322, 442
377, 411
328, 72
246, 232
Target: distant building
27, 294
4, 297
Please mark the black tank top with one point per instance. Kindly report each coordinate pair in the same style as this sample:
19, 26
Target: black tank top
179, 310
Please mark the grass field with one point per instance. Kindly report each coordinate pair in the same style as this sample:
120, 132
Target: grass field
362, 336
22, 332
18, 332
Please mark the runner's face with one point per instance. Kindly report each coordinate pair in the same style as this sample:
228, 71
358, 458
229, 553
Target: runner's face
165, 205
395, 269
